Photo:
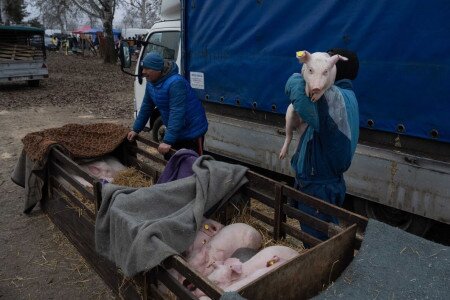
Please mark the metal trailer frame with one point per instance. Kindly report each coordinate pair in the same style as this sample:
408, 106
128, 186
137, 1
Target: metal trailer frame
314, 269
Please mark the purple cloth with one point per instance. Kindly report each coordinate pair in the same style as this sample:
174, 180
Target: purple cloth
179, 166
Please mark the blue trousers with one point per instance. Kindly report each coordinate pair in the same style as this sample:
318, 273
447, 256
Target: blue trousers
331, 191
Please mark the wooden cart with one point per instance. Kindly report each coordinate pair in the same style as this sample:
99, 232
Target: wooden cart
301, 278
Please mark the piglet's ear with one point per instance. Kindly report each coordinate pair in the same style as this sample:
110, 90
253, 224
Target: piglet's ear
303, 56
237, 268
217, 263
334, 59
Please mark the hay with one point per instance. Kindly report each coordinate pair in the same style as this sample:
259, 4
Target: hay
132, 178
264, 229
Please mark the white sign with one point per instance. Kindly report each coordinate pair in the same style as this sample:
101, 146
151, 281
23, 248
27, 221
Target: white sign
197, 80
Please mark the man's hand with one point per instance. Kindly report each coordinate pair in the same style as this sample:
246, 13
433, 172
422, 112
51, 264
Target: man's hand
163, 148
131, 135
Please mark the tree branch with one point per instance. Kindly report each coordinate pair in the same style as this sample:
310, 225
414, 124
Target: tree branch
90, 13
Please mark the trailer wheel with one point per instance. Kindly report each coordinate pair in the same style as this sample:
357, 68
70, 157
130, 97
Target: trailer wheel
33, 83
411, 223
158, 130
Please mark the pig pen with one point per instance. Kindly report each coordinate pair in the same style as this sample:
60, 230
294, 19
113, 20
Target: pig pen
300, 278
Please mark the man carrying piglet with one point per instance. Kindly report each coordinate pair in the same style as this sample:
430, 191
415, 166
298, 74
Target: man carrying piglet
327, 145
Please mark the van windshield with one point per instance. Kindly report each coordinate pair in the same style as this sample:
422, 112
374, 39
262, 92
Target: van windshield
166, 43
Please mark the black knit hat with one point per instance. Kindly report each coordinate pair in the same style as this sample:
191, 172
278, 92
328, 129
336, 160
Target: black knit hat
346, 69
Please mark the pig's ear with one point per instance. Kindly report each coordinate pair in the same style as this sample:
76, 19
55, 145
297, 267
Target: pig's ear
94, 170
303, 56
334, 59
237, 268
217, 263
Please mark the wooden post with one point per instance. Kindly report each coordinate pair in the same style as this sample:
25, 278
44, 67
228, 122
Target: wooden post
280, 216
98, 195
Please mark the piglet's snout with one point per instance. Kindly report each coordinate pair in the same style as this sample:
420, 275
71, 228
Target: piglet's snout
316, 90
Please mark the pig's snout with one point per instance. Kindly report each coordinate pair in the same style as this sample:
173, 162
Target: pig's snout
315, 90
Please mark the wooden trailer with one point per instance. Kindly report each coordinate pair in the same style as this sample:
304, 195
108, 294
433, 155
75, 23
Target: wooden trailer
300, 278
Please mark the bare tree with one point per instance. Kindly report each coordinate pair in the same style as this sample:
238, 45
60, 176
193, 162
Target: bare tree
104, 10
130, 19
147, 10
56, 13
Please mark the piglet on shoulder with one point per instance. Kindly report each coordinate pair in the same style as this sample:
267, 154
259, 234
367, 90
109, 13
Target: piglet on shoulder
319, 71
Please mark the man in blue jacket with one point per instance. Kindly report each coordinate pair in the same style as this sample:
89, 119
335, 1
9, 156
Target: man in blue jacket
327, 146
181, 111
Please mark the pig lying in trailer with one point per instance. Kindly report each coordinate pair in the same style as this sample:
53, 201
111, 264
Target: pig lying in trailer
223, 245
232, 274
319, 72
208, 229
105, 168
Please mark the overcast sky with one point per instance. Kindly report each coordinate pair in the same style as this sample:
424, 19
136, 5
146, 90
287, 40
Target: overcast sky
120, 12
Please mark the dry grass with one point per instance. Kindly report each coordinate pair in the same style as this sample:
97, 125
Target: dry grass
264, 229
129, 177
132, 178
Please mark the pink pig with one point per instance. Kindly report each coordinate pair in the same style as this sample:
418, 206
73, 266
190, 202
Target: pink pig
208, 229
231, 274
293, 122
319, 72
104, 168
223, 245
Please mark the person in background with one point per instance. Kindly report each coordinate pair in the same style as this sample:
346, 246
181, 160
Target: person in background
181, 111
327, 146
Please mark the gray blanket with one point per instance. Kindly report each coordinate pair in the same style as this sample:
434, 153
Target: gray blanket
393, 264
138, 228
31, 176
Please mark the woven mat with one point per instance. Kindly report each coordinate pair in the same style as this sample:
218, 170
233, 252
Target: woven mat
79, 141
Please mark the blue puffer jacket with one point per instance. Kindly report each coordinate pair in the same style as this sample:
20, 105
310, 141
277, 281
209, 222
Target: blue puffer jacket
181, 110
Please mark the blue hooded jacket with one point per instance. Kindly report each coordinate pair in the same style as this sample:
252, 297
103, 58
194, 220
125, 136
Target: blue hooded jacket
181, 110
327, 146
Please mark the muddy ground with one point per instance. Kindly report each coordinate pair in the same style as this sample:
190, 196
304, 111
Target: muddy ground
38, 262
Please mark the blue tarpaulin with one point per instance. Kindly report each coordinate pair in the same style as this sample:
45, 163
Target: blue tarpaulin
246, 52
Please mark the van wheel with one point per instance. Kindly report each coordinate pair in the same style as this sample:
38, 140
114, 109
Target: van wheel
158, 130
409, 222
33, 83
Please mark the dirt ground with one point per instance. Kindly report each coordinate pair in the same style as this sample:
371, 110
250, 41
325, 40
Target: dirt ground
38, 262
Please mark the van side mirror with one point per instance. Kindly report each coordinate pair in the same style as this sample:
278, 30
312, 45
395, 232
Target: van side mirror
124, 54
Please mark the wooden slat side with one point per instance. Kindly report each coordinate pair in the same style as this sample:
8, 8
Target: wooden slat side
68, 163
73, 199
173, 284
56, 170
258, 195
326, 207
315, 223
300, 235
80, 232
193, 276
305, 276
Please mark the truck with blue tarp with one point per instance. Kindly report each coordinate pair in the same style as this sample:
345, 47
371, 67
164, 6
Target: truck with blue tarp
238, 57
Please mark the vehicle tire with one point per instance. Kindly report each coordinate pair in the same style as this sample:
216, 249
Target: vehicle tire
409, 222
33, 83
158, 130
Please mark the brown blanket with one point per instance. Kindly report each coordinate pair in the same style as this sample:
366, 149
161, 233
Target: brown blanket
77, 141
